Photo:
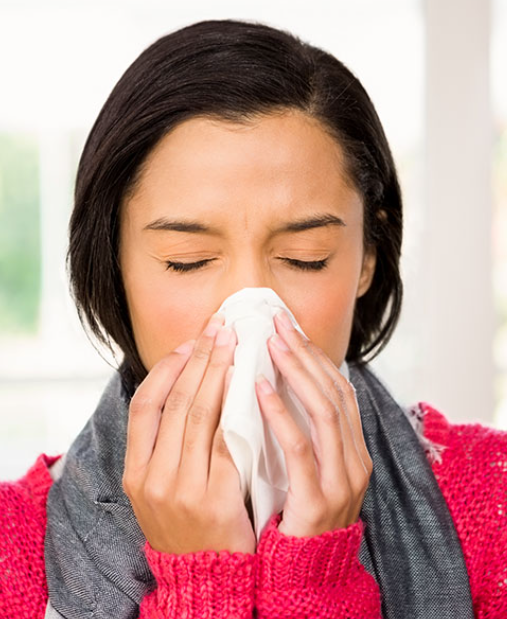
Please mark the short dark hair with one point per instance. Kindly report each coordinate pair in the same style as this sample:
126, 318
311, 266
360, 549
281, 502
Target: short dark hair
231, 70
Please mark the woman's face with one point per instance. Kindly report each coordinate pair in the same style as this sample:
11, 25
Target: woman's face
222, 206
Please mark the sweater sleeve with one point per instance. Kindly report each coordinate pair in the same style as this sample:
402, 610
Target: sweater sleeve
314, 577
200, 585
23, 588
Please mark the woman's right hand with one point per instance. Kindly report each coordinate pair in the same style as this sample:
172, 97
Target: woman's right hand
179, 476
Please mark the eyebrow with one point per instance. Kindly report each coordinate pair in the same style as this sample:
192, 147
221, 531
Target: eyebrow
195, 227
318, 221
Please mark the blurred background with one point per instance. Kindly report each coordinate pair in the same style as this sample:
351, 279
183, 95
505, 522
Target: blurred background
435, 70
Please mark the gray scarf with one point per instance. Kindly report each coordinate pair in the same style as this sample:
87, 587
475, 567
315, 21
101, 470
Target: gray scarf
96, 568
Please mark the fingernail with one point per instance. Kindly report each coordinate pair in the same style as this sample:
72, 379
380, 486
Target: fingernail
224, 337
264, 384
214, 324
284, 319
185, 348
279, 343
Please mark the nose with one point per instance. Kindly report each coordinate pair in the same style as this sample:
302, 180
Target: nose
247, 272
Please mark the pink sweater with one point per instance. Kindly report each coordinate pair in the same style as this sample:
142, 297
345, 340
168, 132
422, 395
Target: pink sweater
287, 577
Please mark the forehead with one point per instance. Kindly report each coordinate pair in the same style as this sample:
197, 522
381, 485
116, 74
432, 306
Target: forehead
273, 160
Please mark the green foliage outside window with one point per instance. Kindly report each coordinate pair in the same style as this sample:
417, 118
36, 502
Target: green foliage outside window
19, 234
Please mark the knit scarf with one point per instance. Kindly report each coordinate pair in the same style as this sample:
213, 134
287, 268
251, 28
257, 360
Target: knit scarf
95, 564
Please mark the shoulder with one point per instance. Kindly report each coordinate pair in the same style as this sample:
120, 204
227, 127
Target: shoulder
472, 445
472, 475
36, 481
25, 499
22, 530
473, 457
469, 461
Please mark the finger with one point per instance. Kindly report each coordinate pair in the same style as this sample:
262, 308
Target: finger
223, 473
339, 389
168, 446
228, 378
333, 382
147, 404
297, 448
341, 393
338, 459
351, 406
204, 413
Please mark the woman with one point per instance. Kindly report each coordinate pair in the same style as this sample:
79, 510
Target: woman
232, 155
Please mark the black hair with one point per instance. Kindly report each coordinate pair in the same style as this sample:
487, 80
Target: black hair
231, 70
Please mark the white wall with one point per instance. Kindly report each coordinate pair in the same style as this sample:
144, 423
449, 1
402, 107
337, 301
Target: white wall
456, 274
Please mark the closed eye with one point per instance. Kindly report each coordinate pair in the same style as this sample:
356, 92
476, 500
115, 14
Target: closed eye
307, 265
183, 267
302, 265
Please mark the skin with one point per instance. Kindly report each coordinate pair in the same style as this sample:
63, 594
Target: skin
245, 183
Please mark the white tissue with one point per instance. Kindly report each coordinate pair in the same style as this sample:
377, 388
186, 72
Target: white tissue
253, 447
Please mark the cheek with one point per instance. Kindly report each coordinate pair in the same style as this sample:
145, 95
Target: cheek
162, 318
326, 318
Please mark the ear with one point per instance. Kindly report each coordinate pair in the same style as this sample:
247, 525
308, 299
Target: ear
367, 272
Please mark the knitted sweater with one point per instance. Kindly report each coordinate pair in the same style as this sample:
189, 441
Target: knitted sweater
288, 577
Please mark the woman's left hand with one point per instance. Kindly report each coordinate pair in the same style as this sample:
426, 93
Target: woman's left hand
329, 473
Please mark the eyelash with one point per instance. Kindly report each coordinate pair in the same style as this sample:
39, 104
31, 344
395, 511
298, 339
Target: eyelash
302, 265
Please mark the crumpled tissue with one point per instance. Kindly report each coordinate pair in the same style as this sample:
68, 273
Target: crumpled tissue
254, 449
